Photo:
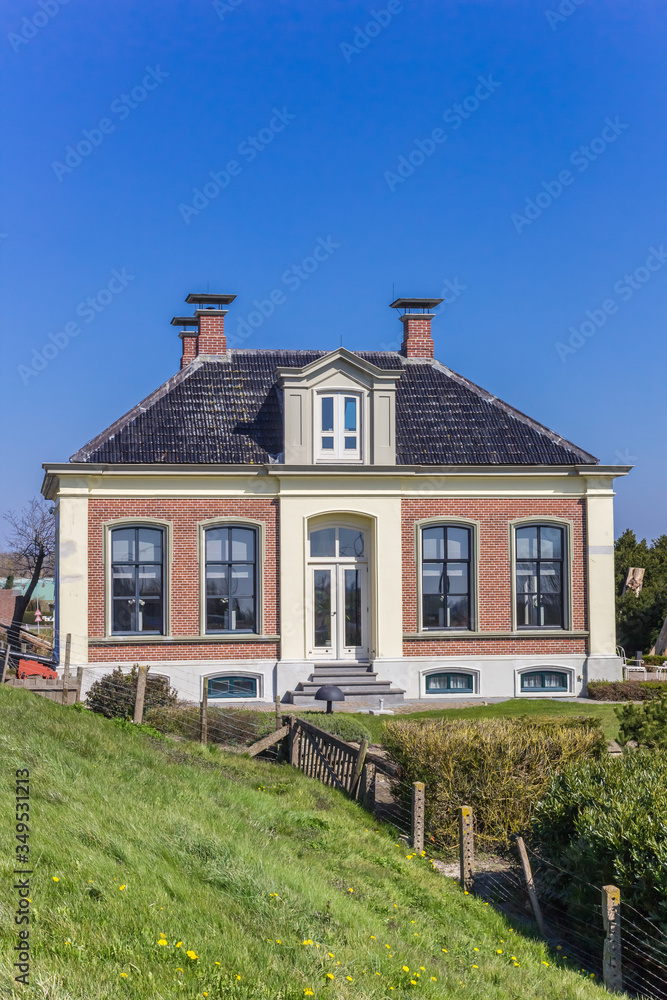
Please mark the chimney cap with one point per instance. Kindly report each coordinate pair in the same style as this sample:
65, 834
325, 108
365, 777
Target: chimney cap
206, 299
185, 321
420, 305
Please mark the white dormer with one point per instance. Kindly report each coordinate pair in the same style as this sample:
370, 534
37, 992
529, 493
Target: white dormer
339, 410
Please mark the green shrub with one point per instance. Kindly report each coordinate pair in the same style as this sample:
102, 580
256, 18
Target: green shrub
604, 821
500, 767
228, 726
625, 690
645, 724
651, 660
114, 694
338, 724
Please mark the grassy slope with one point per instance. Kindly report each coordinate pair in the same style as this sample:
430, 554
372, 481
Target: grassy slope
240, 861
504, 709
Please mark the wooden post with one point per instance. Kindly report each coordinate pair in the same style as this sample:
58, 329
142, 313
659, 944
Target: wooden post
5, 661
530, 886
612, 968
279, 721
141, 694
79, 682
418, 788
68, 653
358, 765
293, 742
368, 786
466, 847
203, 714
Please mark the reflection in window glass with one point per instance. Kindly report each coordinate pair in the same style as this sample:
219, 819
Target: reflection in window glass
136, 580
544, 680
232, 687
442, 683
539, 577
323, 542
446, 577
231, 579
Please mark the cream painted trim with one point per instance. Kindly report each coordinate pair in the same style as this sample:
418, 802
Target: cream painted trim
550, 667
519, 634
561, 522
212, 639
229, 521
167, 563
447, 668
212, 702
451, 521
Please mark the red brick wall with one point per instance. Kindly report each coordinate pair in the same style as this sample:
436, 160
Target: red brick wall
417, 338
493, 574
184, 516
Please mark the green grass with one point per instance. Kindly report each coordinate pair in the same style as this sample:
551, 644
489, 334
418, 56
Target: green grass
271, 880
503, 709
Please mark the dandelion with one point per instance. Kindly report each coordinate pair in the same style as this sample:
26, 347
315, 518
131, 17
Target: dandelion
413, 982
331, 954
162, 941
308, 992
278, 941
178, 970
465, 892
238, 977
387, 946
422, 968
445, 950
55, 878
475, 966
215, 963
205, 993
123, 975
592, 975
179, 943
499, 951
330, 975
349, 977
433, 979
121, 887
475, 949
544, 963
405, 968
350, 890
192, 955
373, 938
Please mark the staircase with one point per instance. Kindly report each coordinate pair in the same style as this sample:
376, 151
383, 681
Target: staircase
357, 681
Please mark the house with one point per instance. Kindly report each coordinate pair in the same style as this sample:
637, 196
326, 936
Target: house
268, 520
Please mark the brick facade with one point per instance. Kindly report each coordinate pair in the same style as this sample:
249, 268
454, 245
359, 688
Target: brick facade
493, 575
184, 516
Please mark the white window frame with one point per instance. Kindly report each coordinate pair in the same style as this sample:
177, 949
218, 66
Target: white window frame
338, 453
545, 668
441, 668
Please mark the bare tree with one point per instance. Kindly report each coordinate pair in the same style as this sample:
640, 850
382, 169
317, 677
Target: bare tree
32, 538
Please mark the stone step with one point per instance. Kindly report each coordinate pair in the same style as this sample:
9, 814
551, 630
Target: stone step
352, 677
351, 687
303, 700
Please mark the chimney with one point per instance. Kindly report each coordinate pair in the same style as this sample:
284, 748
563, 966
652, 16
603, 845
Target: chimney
416, 320
203, 333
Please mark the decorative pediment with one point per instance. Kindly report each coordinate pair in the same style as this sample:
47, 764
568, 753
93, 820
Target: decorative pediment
339, 365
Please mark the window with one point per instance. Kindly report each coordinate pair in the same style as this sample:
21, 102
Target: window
232, 687
540, 564
339, 431
448, 683
137, 586
446, 571
231, 579
544, 680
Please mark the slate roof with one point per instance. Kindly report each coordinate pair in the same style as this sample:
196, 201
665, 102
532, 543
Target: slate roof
229, 412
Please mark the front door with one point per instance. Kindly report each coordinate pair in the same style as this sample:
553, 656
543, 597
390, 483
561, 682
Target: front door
339, 595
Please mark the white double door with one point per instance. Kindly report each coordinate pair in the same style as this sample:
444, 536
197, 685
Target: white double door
339, 619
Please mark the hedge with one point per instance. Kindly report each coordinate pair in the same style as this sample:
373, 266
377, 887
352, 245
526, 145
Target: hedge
500, 767
625, 690
114, 694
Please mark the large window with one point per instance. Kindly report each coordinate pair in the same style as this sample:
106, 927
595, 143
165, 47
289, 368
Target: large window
450, 683
446, 577
232, 687
231, 579
137, 580
545, 680
540, 563
338, 427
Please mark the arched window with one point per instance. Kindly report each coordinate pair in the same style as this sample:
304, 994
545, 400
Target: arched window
446, 577
540, 587
137, 580
232, 687
230, 579
553, 681
448, 683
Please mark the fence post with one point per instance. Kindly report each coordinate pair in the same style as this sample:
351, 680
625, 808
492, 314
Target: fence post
293, 742
418, 788
279, 721
5, 661
68, 653
79, 683
358, 765
203, 714
612, 968
530, 886
368, 786
466, 847
141, 694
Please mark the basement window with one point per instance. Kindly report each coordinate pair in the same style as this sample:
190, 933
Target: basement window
232, 687
545, 681
449, 683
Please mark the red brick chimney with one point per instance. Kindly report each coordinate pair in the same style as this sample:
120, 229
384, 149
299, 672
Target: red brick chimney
204, 333
211, 338
189, 347
416, 320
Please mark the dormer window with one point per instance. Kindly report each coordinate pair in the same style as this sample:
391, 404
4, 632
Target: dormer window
339, 432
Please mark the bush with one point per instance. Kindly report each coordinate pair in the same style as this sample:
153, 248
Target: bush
338, 724
645, 724
115, 694
625, 690
500, 767
228, 726
651, 660
604, 821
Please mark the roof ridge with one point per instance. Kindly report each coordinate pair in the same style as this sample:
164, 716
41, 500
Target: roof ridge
512, 411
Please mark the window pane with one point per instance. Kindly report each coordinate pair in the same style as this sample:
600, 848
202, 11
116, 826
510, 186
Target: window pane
526, 578
529, 681
433, 543
219, 687
232, 687
350, 444
150, 616
243, 581
526, 543
350, 542
322, 607
460, 682
327, 413
150, 545
551, 546
327, 444
457, 612
123, 581
323, 542
124, 616
150, 581
216, 581
457, 543
432, 578
550, 581
457, 578
122, 545
433, 613
217, 614
242, 614
350, 413
243, 545
551, 610
217, 545
555, 680
527, 610
352, 608
436, 682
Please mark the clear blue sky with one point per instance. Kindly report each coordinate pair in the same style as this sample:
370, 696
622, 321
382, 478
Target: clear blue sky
180, 87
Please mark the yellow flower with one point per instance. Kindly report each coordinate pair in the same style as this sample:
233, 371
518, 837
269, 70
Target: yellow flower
422, 968
309, 993
499, 951
278, 941
123, 975
413, 982
216, 963
178, 970
433, 979
162, 941
237, 976
387, 946
405, 968
331, 954
444, 949
475, 949
192, 955
56, 879
330, 975
205, 993
373, 938
544, 963
350, 890
349, 977
121, 887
